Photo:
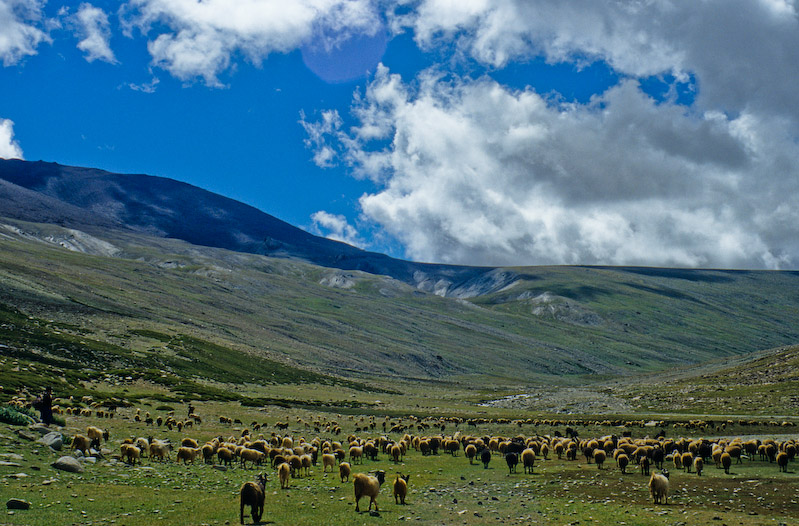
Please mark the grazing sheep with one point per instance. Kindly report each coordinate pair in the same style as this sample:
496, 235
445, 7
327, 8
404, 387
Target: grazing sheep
622, 460
726, 462
189, 442
368, 486
485, 457
400, 488
344, 471
160, 450
528, 460
699, 465
96, 434
782, 461
187, 454
328, 461
599, 458
659, 487
470, 451
512, 459
687, 461
252, 494
251, 455
284, 474
81, 443
356, 455
644, 463
130, 453
225, 456
396, 453
143, 444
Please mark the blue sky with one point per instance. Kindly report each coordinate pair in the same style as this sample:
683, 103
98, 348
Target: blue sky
493, 133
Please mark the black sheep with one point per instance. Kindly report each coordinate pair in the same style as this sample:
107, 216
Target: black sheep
252, 494
512, 459
485, 457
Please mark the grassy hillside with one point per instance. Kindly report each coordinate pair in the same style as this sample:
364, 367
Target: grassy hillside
135, 305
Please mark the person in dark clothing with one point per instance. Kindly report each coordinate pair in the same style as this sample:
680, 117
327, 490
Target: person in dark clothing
45, 406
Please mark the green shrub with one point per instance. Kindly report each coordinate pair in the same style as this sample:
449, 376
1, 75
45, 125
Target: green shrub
14, 416
164, 408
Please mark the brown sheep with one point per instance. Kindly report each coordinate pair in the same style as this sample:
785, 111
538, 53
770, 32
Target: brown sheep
622, 460
400, 488
284, 473
368, 486
130, 453
726, 462
252, 494
782, 461
599, 457
328, 461
528, 460
344, 471
81, 443
699, 464
187, 454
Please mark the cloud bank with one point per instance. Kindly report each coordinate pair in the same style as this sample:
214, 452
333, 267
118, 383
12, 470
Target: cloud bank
474, 172
201, 39
471, 171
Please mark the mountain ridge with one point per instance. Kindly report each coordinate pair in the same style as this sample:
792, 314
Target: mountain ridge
89, 197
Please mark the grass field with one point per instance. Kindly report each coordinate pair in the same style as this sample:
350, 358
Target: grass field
443, 489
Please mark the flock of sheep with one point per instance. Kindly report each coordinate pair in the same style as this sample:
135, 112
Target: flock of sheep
292, 456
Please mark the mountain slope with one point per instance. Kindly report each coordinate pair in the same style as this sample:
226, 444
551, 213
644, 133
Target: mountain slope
137, 263
85, 198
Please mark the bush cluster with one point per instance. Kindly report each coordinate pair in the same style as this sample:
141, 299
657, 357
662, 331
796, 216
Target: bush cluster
15, 416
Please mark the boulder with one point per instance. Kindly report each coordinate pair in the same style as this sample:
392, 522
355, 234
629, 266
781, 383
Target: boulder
17, 504
67, 463
40, 428
25, 435
52, 439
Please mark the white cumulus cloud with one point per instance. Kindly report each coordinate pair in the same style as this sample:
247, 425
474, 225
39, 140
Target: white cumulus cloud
474, 172
334, 226
95, 33
20, 31
202, 39
9, 148
745, 53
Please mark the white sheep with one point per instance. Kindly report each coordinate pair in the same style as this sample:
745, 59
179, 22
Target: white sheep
160, 450
368, 486
659, 487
